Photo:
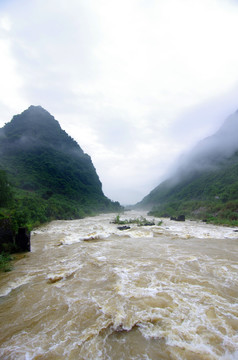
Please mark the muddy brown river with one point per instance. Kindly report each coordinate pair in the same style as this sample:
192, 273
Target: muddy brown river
90, 291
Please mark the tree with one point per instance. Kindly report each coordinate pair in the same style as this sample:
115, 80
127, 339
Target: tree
6, 195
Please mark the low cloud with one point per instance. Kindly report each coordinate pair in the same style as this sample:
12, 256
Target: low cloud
135, 83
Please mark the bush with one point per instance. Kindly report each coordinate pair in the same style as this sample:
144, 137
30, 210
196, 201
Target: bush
5, 262
6, 194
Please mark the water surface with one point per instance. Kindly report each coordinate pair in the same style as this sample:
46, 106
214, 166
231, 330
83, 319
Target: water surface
90, 291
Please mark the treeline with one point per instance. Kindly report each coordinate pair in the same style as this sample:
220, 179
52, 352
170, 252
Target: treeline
215, 212
21, 208
206, 195
30, 208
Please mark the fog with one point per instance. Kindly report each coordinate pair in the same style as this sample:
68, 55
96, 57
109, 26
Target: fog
217, 147
136, 83
208, 154
41, 130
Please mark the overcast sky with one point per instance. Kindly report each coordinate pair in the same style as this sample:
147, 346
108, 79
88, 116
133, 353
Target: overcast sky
135, 82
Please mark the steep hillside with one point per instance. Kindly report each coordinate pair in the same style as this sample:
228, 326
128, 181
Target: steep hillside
205, 184
51, 175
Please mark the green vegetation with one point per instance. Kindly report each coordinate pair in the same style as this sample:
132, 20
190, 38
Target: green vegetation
220, 183
6, 195
45, 175
51, 177
139, 221
206, 185
210, 195
5, 262
215, 212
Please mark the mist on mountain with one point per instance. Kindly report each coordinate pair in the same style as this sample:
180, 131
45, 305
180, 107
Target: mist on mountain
51, 175
204, 181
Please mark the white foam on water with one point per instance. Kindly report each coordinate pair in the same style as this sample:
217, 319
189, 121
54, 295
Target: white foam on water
38, 352
148, 281
23, 353
197, 229
230, 356
193, 313
13, 285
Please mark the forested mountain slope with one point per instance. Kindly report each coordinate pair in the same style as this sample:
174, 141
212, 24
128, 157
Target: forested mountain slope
205, 183
50, 174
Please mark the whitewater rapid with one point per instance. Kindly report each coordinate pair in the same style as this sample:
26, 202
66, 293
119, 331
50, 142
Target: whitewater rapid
90, 291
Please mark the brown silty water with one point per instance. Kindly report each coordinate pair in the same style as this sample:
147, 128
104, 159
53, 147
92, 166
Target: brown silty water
90, 291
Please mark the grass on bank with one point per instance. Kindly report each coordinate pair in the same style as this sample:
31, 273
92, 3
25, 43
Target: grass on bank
139, 221
5, 262
214, 212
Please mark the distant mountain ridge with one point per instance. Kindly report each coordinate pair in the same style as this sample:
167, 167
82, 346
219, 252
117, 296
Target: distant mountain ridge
46, 165
216, 148
206, 177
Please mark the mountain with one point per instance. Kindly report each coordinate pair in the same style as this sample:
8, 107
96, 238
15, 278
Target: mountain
205, 181
50, 174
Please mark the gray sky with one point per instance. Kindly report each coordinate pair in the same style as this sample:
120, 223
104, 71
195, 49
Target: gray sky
135, 82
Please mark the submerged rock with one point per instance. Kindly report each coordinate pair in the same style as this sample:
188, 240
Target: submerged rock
123, 227
179, 218
147, 224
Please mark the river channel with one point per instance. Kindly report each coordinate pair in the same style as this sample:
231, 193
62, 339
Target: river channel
90, 291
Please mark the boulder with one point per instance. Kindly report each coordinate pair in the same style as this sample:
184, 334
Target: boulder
148, 224
10, 241
181, 218
123, 227
22, 239
173, 218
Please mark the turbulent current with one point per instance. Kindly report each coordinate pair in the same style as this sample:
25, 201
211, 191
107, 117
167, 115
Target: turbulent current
90, 291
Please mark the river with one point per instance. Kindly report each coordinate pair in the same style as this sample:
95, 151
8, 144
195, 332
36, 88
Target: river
90, 291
